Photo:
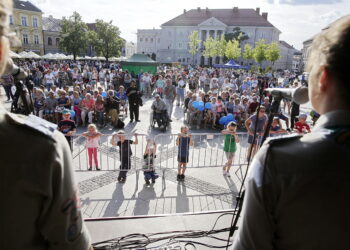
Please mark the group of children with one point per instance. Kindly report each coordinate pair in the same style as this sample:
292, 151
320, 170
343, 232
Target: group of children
184, 141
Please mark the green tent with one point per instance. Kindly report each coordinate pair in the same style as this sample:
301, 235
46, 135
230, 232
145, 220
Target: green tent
138, 63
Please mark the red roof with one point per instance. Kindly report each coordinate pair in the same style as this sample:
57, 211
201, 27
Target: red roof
230, 17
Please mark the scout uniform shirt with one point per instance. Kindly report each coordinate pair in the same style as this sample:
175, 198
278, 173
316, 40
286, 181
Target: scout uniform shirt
297, 194
40, 207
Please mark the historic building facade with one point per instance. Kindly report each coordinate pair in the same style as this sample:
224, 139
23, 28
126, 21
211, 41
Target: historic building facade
290, 57
51, 34
170, 43
129, 49
26, 21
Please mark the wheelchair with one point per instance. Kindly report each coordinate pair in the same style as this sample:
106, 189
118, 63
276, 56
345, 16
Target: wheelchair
165, 120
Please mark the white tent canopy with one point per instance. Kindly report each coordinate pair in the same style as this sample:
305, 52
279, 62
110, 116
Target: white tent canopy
24, 54
14, 55
32, 54
48, 56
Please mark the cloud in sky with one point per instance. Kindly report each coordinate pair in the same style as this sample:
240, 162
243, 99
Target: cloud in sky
309, 2
296, 22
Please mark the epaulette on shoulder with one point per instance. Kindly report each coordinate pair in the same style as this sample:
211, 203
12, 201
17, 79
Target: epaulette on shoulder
34, 122
283, 138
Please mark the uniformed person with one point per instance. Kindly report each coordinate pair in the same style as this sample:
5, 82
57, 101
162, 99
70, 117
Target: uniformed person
298, 188
39, 198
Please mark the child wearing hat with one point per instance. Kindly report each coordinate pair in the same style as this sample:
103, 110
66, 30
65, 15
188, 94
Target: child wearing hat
67, 127
230, 146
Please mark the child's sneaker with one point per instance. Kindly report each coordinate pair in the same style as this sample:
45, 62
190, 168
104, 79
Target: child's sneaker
182, 177
147, 181
224, 173
153, 181
178, 177
228, 174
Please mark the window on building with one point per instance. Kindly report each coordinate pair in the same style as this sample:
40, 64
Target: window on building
141, 39
24, 21
57, 41
180, 45
36, 39
49, 41
151, 40
146, 39
35, 22
183, 59
25, 39
11, 19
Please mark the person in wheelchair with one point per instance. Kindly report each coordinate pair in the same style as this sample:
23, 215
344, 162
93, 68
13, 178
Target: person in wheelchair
159, 111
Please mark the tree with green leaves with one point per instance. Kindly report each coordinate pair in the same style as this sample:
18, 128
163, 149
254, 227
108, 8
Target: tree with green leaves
106, 39
194, 43
221, 46
210, 47
237, 34
248, 53
259, 52
233, 51
273, 52
74, 35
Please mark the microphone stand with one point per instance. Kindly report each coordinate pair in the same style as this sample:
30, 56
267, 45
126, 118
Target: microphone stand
241, 193
274, 110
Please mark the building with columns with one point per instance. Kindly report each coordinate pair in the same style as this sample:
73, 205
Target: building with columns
170, 43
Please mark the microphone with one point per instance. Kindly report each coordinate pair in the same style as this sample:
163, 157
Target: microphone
298, 95
17, 72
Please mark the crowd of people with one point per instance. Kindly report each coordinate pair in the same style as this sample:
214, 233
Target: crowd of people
99, 92
94, 93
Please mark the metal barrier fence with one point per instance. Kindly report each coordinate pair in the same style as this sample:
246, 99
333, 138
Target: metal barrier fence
207, 151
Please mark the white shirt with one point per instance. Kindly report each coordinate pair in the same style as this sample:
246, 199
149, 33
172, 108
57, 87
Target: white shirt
49, 78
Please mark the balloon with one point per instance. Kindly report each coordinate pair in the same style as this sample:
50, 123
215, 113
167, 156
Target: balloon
104, 94
201, 108
223, 120
201, 103
208, 105
195, 104
72, 114
230, 117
